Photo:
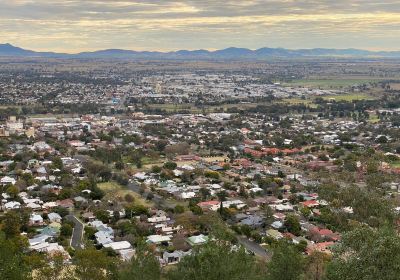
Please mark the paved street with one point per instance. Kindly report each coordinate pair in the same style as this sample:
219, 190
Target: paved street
254, 247
77, 234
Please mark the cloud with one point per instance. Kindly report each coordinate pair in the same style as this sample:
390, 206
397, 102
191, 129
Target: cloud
74, 25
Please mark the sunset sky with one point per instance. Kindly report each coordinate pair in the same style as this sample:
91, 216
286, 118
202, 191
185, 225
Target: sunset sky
74, 25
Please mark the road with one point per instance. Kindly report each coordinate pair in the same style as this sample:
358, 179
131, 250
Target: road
254, 248
77, 233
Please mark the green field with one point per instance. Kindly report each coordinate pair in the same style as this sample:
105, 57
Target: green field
350, 97
113, 190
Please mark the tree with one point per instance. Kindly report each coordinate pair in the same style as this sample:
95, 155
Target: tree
316, 265
221, 197
66, 230
292, 224
156, 169
53, 267
57, 163
170, 165
102, 215
119, 165
367, 253
11, 224
143, 266
12, 265
216, 261
179, 209
93, 264
286, 263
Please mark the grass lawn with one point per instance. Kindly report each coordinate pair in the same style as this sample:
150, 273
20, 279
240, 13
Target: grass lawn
114, 190
373, 118
395, 164
350, 97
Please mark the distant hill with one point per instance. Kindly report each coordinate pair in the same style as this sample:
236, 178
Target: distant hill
8, 50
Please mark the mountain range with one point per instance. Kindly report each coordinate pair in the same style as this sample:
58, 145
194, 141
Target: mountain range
8, 50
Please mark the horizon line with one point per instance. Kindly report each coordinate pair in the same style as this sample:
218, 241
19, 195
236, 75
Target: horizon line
201, 49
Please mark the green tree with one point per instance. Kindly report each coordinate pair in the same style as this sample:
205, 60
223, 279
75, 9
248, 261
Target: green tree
368, 254
53, 268
216, 261
292, 224
286, 263
170, 165
143, 266
179, 209
12, 265
66, 230
11, 224
316, 264
93, 264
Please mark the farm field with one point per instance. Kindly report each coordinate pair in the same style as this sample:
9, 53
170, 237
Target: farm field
332, 83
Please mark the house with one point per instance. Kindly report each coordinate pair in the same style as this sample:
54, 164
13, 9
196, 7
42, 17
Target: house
12, 205
316, 234
103, 238
122, 248
51, 249
6, 180
89, 216
157, 239
158, 219
187, 195
279, 216
35, 220
54, 217
277, 225
310, 203
66, 203
253, 221
274, 234
208, 204
197, 240
101, 227
173, 257
324, 247
120, 245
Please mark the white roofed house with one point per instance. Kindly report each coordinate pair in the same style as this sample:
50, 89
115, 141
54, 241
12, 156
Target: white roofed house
157, 239
42, 147
173, 257
104, 234
197, 240
6, 180
54, 217
33, 206
12, 205
122, 248
103, 238
187, 195
160, 216
35, 220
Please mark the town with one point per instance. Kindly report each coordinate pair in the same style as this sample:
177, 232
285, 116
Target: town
105, 176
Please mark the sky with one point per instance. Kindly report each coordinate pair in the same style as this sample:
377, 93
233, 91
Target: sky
165, 25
